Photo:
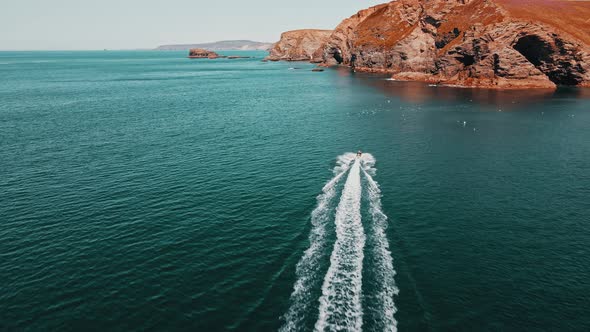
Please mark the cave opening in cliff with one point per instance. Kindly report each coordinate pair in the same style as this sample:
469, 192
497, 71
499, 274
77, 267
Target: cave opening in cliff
337, 54
534, 49
540, 53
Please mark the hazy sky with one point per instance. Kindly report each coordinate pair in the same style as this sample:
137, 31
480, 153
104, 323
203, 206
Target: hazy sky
124, 24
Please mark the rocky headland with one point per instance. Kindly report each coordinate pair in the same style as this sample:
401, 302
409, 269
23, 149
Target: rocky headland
471, 43
224, 45
298, 45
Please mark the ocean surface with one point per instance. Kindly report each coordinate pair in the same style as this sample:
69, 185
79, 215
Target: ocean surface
143, 191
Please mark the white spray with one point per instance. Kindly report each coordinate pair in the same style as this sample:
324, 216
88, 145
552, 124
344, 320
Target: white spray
307, 268
384, 262
340, 303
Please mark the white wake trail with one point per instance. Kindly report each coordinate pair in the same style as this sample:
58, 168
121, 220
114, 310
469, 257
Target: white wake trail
308, 266
384, 263
340, 304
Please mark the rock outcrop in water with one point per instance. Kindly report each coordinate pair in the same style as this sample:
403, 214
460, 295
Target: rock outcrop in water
200, 53
298, 45
475, 43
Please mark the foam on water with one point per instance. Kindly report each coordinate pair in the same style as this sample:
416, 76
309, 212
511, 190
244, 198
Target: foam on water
340, 303
384, 269
307, 268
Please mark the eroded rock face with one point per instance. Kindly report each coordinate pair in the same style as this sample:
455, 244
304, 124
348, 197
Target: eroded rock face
336, 48
298, 45
480, 43
199, 53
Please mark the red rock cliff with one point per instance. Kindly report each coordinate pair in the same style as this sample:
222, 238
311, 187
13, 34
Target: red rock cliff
477, 43
298, 45
199, 53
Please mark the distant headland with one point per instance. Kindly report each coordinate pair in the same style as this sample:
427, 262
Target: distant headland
224, 45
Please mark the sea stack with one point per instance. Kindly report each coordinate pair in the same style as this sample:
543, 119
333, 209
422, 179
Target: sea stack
200, 53
471, 43
298, 45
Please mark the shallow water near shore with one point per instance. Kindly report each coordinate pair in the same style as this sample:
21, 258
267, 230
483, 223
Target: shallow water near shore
147, 191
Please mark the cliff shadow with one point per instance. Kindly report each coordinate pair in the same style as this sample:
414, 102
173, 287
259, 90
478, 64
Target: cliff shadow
419, 92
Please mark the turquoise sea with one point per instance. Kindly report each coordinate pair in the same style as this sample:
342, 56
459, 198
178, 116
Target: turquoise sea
143, 191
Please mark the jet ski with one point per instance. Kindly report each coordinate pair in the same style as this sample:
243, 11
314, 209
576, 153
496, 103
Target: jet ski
359, 153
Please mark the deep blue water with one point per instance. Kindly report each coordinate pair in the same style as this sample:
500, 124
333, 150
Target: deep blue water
146, 191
